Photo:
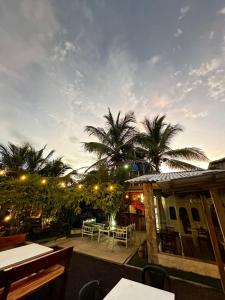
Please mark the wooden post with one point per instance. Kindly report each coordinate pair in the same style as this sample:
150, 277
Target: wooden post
219, 208
214, 241
152, 244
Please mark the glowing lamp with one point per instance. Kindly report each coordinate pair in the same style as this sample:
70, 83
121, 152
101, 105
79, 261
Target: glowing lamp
7, 218
127, 196
96, 187
23, 177
2, 172
126, 166
62, 184
80, 186
44, 181
111, 187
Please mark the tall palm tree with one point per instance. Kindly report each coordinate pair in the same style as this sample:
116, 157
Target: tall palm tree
115, 144
13, 157
155, 143
16, 159
56, 168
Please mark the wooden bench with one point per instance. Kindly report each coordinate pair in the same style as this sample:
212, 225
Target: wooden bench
26, 278
12, 241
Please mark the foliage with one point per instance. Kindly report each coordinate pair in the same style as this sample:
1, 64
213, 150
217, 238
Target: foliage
155, 143
16, 159
54, 201
115, 144
23, 197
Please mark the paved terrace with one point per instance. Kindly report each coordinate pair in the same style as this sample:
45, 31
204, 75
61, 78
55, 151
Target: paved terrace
104, 249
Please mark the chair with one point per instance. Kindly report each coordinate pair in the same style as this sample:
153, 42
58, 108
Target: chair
102, 231
156, 277
121, 235
89, 230
12, 241
90, 291
26, 278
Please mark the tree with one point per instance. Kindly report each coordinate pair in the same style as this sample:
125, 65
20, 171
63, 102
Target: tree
155, 143
16, 159
115, 144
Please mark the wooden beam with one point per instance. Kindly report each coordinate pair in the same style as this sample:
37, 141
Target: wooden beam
219, 208
152, 244
214, 241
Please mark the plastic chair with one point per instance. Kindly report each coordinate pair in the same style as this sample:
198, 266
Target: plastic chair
156, 277
90, 291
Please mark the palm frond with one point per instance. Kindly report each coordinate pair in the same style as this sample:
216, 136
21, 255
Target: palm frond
189, 153
180, 165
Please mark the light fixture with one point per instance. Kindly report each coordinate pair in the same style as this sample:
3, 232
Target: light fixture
111, 187
2, 172
43, 181
80, 186
62, 184
126, 166
127, 196
7, 218
96, 187
23, 177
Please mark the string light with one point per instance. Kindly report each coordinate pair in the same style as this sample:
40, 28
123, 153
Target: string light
96, 187
43, 181
2, 172
62, 184
23, 177
7, 218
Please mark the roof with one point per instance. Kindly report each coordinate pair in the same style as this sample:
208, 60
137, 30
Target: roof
166, 177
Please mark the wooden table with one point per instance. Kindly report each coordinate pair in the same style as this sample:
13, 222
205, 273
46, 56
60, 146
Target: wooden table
132, 290
15, 256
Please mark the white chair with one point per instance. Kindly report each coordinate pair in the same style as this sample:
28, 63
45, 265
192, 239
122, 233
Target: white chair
121, 235
103, 231
89, 230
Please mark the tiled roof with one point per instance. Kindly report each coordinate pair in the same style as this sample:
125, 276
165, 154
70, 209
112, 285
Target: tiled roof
165, 177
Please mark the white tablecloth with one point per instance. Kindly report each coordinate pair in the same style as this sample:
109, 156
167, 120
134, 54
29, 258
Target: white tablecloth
21, 254
132, 290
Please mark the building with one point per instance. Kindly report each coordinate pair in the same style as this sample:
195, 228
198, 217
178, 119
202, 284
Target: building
184, 214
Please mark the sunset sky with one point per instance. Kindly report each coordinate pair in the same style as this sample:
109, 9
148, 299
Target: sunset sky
63, 63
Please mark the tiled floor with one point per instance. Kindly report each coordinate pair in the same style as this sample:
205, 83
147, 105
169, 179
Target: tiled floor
104, 250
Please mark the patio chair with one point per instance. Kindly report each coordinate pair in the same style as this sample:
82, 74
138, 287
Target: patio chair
121, 235
156, 277
12, 241
89, 230
90, 291
103, 231
26, 278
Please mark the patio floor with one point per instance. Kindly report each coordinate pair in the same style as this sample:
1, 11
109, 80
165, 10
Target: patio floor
104, 249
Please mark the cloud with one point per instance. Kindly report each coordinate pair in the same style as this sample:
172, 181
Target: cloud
222, 11
183, 12
211, 35
206, 68
154, 59
178, 33
188, 113
60, 52
73, 139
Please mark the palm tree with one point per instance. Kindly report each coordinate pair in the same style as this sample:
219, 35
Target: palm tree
56, 168
156, 141
115, 144
16, 159
13, 157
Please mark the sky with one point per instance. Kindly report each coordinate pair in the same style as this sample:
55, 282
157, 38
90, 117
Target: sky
63, 63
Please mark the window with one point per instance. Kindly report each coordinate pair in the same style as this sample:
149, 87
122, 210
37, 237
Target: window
195, 214
172, 211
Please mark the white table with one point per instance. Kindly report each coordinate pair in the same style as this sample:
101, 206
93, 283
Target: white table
21, 254
132, 290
